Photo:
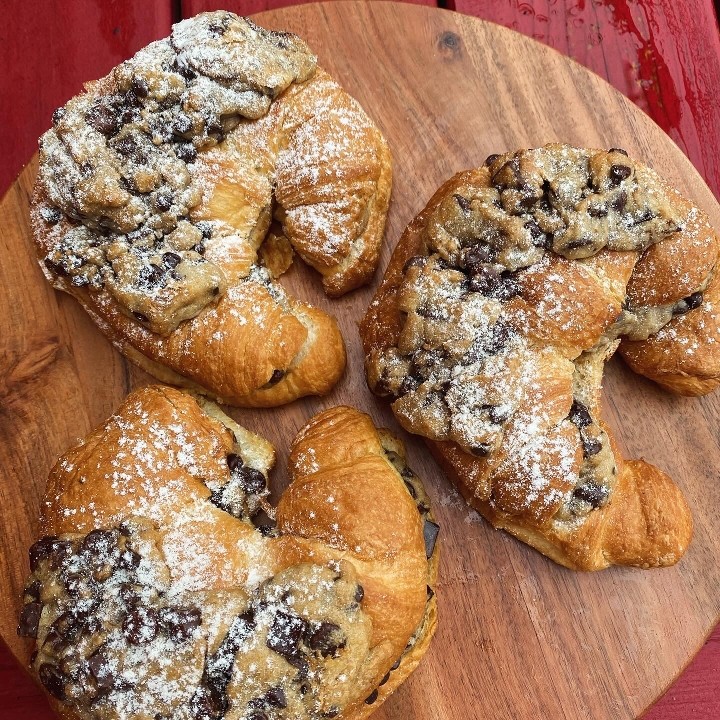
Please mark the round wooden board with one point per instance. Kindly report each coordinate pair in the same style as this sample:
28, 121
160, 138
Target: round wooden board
519, 637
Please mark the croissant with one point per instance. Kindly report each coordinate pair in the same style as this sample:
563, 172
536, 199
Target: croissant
161, 588
501, 303
171, 193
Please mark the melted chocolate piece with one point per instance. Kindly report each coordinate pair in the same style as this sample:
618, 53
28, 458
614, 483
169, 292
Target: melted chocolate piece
592, 493
141, 626
463, 202
618, 173
179, 622
430, 533
49, 547
327, 639
285, 634
371, 698
591, 446
689, 303
29, 620
54, 680
579, 415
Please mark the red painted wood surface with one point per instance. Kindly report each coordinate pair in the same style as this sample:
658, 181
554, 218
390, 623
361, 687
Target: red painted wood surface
248, 7
662, 54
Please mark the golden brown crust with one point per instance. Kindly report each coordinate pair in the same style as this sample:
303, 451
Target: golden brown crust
313, 159
570, 307
152, 459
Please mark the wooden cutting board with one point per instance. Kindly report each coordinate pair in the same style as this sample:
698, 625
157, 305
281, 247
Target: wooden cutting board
519, 636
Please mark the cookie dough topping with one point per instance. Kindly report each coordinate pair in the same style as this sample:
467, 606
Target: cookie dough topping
116, 640
118, 163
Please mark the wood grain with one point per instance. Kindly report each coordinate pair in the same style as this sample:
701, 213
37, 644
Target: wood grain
519, 636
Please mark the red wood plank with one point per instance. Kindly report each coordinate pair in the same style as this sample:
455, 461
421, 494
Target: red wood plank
662, 54
48, 48
696, 693
248, 7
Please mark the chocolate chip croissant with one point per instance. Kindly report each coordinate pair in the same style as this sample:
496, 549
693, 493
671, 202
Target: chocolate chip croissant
489, 334
157, 192
161, 588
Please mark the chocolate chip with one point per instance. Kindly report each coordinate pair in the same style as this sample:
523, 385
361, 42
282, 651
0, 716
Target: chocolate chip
430, 533
332, 712
481, 450
431, 312
73, 584
396, 664
128, 594
275, 697
205, 228
371, 698
58, 115
139, 87
186, 152
171, 260
276, 377
386, 677
411, 489
687, 304
618, 150
257, 715
485, 279
103, 118
415, 261
578, 243
463, 202
429, 592
179, 622
408, 384
579, 415
29, 620
139, 316
597, 211
267, 530
592, 493
32, 591
99, 543
49, 547
620, 202
490, 159
618, 173
591, 446
199, 248
51, 215
359, 593
163, 201
251, 480
54, 680
497, 414
326, 638
285, 634
140, 626
645, 216
507, 288
478, 255
182, 124
498, 339
181, 65
151, 276
100, 669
